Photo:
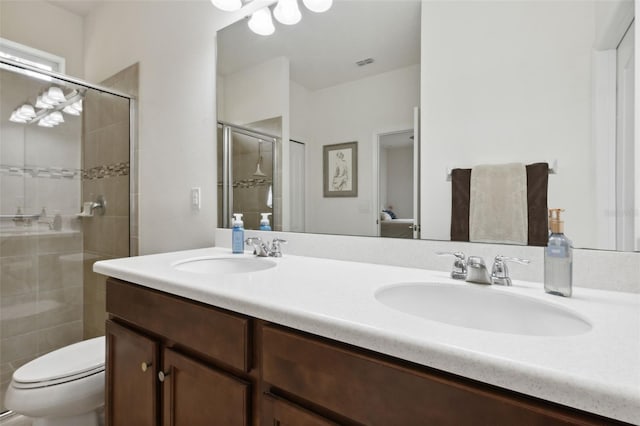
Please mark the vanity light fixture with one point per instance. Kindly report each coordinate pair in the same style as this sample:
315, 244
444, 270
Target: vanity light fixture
286, 12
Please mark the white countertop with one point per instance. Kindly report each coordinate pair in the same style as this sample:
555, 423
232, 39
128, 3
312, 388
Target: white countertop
598, 371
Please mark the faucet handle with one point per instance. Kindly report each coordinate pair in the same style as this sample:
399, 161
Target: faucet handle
252, 240
459, 271
276, 249
500, 272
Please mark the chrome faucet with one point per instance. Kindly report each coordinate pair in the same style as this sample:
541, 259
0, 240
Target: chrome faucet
474, 270
263, 249
477, 271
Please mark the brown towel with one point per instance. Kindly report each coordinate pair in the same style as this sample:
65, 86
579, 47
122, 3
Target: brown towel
460, 196
537, 185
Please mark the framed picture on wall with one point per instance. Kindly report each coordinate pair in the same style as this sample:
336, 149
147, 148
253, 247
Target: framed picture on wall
340, 169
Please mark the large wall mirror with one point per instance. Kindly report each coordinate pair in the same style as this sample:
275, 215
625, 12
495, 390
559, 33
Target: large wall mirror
424, 87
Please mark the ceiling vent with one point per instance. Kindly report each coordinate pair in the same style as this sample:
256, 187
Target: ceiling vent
364, 62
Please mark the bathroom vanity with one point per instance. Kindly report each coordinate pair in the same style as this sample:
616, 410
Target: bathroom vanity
286, 344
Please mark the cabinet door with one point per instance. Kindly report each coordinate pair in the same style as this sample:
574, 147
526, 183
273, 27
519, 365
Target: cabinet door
132, 392
280, 412
194, 394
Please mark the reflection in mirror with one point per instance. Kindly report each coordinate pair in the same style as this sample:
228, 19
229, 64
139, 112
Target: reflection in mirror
307, 75
246, 164
497, 83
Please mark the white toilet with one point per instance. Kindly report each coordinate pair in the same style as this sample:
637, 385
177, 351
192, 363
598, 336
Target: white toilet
62, 388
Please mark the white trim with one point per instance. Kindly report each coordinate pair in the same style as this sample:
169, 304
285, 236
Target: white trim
604, 144
33, 56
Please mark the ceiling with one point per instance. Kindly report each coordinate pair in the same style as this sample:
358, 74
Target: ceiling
323, 48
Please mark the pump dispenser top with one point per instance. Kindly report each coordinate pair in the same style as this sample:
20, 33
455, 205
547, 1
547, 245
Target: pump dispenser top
237, 220
555, 223
264, 222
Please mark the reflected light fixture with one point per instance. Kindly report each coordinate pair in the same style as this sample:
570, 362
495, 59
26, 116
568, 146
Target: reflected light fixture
49, 103
261, 22
286, 12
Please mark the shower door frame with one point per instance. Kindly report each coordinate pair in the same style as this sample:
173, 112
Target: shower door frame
227, 166
28, 70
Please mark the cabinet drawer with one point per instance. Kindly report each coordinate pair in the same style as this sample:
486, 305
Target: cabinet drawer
214, 333
280, 412
375, 391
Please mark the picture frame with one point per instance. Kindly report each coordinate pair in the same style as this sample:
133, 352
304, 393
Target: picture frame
340, 170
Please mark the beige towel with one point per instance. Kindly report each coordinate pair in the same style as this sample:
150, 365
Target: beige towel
498, 204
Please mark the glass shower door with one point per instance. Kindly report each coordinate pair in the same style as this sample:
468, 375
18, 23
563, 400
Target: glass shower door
246, 162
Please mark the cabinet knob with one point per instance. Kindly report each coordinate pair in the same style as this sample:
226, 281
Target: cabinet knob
162, 375
145, 366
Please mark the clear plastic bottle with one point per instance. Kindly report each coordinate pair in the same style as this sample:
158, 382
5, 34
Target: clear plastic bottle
558, 259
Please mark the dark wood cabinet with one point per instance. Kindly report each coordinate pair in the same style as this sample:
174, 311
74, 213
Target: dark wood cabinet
222, 368
374, 390
132, 386
174, 362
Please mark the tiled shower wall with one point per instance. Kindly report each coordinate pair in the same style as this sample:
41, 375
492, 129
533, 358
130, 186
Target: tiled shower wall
106, 151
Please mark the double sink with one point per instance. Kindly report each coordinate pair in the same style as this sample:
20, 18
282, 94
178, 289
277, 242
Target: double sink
462, 305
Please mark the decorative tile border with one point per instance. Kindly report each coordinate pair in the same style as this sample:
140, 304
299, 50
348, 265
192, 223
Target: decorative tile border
106, 171
40, 171
250, 183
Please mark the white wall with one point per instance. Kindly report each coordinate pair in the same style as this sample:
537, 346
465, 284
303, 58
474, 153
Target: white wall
174, 42
43, 26
356, 111
480, 107
256, 93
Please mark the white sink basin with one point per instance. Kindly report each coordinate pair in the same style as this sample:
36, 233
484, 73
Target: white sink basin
224, 265
482, 308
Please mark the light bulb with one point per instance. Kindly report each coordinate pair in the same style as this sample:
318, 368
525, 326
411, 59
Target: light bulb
69, 109
56, 117
287, 12
55, 94
40, 103
318, 6
45, 123
261, 22
227, 5
26, 111
16, 119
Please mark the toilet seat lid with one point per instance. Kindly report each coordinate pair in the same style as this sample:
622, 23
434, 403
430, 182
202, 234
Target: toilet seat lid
73, 361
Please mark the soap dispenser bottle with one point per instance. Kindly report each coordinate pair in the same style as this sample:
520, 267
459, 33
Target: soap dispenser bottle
237, 234
558, 258
264, 222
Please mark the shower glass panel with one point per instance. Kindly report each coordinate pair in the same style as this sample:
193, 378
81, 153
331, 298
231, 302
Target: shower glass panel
246, 164
53, 159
